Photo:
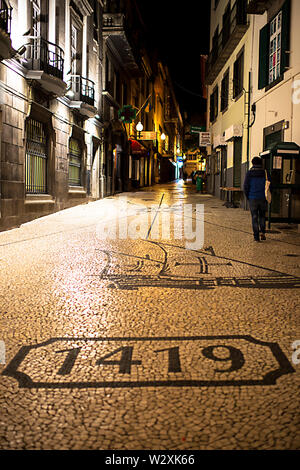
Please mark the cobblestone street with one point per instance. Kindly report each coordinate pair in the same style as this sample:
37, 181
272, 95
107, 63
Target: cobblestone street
123, 343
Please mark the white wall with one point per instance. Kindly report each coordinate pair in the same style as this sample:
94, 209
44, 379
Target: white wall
278, 103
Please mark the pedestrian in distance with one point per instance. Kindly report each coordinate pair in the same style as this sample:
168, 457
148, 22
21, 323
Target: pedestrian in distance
254, 190
199, 182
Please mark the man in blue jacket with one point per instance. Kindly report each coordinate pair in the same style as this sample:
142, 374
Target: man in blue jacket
254, 189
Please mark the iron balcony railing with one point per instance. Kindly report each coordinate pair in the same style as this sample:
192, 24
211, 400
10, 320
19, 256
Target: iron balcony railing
83, 89
257, 7
5, 17
47, 56
231, 33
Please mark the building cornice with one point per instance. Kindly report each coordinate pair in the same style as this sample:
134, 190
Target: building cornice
84, 7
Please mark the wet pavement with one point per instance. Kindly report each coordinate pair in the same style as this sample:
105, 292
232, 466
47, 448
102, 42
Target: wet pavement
117, 332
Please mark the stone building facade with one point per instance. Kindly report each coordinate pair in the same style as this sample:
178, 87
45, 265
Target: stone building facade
51, 97
67, 69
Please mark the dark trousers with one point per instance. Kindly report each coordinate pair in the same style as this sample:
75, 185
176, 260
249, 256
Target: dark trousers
258, 209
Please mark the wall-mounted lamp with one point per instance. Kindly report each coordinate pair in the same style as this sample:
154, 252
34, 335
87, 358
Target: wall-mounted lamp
70, 94
139, 127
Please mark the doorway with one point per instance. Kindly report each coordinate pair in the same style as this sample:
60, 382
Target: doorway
237, 161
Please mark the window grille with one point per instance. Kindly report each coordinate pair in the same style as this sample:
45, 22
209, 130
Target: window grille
74, 162
36, 158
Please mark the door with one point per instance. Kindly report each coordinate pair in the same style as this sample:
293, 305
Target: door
223, 166
237, 162
278, 199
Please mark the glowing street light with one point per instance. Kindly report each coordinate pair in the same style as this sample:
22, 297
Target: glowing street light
139, 127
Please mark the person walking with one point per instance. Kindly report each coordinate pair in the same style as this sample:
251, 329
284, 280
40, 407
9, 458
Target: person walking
254, 190
199, 182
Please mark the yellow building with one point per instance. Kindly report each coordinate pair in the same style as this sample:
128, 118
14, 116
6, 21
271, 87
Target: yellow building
253, 79
275, 101
227, 78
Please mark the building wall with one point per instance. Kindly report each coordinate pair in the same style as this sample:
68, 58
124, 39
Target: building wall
277, 105
281, 102
235, 114
24, 98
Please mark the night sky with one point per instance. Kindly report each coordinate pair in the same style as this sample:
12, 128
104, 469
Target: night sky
180, 36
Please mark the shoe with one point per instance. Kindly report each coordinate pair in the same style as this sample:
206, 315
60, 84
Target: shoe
262, 236
256, 239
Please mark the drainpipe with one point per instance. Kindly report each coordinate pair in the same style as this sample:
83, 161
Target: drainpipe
248, 123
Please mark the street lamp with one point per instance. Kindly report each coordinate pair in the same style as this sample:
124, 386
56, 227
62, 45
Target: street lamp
163, 138
139, 127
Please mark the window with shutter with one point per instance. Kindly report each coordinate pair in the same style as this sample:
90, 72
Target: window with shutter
238, 75
214, 104
225, 91
273, 47
264, 39
285, 37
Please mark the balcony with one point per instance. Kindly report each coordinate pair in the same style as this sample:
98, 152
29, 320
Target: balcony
257, 7
45, 64
6, 49
225, 43
116, 31
82, 95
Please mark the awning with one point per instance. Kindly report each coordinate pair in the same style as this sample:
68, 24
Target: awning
282, 148
219, 141
236, 130
137, 148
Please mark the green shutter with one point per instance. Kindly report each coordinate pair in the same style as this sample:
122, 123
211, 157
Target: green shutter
264, 40
285, 36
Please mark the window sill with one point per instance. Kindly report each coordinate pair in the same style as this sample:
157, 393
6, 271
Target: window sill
214, 121
39, 199
274, 83
237, 97
77, 190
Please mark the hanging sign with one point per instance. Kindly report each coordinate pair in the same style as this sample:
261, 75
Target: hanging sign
204, 139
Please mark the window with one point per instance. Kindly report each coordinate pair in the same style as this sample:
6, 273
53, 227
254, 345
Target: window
238, 75
214, 104
275, 47
36, 11
215, 44
74, 45
74, 162
226, 26
36, 27
36, 158
225, 91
